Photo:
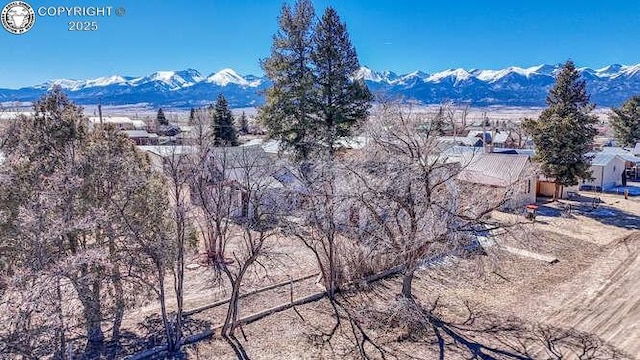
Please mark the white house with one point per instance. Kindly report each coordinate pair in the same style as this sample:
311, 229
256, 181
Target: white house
120, 122
157, 153
606, 172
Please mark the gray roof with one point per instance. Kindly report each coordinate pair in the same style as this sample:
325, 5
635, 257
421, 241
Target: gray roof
269, 146
602, 159
636, 150
139, 134
493, 169
168, 150
625, 153
460, 140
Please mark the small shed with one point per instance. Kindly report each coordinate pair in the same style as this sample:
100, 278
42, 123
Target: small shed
606, 172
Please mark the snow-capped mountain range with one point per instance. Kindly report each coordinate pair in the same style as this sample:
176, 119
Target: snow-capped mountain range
513, 86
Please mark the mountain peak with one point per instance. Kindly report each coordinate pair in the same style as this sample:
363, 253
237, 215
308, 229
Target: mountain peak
513, 85
228, 76
174, 79
458, 74
367, 74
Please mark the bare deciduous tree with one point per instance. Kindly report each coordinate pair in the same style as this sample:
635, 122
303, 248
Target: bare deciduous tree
256, 219
415, 207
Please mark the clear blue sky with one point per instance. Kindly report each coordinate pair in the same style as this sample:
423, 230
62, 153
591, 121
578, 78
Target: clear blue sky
398, 35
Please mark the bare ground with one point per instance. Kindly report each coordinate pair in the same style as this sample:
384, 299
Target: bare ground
593, 288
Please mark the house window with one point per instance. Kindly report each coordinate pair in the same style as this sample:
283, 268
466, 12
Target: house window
528, 186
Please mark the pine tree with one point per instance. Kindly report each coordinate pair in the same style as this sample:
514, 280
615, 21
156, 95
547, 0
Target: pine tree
342, 103
192, 117
625, 121
313, 100
288, 110
224, 133
243, 123
437, 123
161, 119
564, 132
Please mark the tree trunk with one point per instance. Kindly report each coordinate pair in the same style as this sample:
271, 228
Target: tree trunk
61, 334
168, 328
556, 191
232, 310
89, 295
332, 283
95, 336
95, 333
407, 280
116, 280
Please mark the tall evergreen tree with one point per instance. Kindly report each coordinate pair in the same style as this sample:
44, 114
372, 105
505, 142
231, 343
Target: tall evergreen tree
564, 132
625, 121
161, 119
438, 124
288, 110
243, 123
342, 102
224, 133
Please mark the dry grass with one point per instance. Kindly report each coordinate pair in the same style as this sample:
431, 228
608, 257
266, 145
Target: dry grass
593, 288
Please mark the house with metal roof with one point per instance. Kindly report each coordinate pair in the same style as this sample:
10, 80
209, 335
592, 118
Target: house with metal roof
141, 137
606, 171
460, 141
626, 153
120, 122
512, 171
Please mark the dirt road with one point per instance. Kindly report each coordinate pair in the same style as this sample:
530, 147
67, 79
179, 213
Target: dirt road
604, 299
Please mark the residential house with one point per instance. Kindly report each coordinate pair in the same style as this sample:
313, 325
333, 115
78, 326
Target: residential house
120, 122
270, 147
252, 177
512, 171
500, 140
460, 141
159, 155
487, 138
141, 137
606, 172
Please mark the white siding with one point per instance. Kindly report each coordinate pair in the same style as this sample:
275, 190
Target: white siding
607, 176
